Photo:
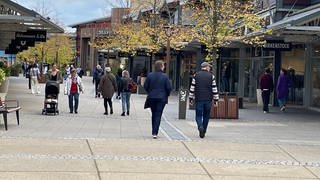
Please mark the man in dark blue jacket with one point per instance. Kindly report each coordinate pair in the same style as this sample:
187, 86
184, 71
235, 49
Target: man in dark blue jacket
202, 91
158, 88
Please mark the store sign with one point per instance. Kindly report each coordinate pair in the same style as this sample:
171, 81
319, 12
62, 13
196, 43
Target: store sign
40, 36
277, 45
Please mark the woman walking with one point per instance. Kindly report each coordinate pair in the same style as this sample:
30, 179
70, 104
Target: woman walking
107, 87
72, 88
282, 89
158, 88
54, 74
125, 92
35, 75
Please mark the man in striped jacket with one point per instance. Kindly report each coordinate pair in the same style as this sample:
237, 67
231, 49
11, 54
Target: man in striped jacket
202, 91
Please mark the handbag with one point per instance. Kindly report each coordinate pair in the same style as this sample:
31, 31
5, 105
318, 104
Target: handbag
147, 103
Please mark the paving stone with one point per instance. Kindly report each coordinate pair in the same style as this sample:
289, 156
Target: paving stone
48, 176
153, 176
267, 171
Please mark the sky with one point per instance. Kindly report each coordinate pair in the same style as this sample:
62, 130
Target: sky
70, 12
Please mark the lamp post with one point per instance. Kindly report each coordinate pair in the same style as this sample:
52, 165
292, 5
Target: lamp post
168, 54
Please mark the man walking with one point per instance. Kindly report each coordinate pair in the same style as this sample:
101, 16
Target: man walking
202, 91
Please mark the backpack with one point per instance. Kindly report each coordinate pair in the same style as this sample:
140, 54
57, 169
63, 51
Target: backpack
132, 86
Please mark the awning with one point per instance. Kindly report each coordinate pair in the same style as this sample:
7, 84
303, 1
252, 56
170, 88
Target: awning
16, 18
306, 21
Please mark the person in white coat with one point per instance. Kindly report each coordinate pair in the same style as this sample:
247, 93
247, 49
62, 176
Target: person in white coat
73, 87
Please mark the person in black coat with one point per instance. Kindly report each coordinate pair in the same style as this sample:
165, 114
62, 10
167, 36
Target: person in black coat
158, 88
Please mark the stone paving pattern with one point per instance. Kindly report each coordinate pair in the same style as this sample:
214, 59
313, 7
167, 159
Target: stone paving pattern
90, 145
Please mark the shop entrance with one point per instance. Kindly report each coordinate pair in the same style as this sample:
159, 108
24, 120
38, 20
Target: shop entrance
257, 68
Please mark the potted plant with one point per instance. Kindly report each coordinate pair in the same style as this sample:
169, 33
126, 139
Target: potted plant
4, 73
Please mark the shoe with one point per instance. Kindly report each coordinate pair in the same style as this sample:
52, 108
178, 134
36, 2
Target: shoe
128, 113
96, 96
265, 112
283, 108
201, 132
111, 111
76, 112
106, 113
123, 114
154, 136
71, 112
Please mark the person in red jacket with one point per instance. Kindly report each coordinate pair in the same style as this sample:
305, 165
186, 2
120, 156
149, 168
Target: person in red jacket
266, 86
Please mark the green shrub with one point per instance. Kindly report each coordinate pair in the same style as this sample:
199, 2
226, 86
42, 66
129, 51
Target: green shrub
2, 75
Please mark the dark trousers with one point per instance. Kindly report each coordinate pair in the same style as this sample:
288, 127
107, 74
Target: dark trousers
106, 102
29, 82
266, 98
156, 110
203, 114
75, 97
96, 86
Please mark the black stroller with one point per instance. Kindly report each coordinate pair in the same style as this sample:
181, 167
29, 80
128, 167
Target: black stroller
51, 98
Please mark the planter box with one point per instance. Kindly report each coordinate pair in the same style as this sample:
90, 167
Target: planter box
4, 86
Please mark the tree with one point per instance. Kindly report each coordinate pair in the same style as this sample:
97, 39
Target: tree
218, 23
148, 31
57, 49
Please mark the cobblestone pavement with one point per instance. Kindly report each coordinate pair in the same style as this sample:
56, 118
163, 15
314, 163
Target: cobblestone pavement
90, 145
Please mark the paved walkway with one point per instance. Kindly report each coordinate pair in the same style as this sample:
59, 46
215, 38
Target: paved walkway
90, 145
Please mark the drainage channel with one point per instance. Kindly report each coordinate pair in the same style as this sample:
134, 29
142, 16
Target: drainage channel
170, 131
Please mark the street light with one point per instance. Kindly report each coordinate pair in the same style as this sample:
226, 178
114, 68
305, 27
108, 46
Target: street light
168, 34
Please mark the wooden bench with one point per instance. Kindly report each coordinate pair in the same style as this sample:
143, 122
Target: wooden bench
9, 106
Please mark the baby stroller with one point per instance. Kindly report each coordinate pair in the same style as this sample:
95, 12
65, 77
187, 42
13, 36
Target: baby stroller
51, 98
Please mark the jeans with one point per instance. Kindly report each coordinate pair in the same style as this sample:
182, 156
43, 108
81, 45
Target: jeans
225, 84
266, 98
282, 101
74, 96
203, 114
96, 86
125, 99
156, 110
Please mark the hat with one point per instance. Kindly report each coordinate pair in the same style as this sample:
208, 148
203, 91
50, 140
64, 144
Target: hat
108, 69
205, 64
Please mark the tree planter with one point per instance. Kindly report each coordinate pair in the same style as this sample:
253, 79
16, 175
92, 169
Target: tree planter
4, 86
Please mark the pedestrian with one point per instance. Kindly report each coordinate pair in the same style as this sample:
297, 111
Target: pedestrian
124, 87
202, 91
266, 86
67, 71
107, 87
97, 74
24, 67
80, 72
54, 74
34, 76
118, 79
158, 87
28, 70
73, 87
282, 89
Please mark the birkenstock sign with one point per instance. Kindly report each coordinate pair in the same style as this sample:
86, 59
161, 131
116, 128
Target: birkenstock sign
277, 45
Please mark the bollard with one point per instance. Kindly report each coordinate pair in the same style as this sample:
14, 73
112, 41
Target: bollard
182, 103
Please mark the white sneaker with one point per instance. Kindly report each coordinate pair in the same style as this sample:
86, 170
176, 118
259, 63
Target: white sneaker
283, 108
154, 136
265, 112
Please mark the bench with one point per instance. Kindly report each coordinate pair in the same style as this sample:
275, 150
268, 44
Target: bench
9, 106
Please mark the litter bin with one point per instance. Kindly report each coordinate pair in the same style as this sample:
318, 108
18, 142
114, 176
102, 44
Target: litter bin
227, 107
